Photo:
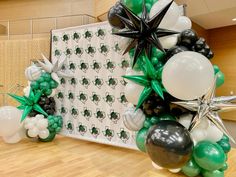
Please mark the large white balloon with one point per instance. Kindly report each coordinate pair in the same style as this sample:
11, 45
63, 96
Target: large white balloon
171, 16
133, 90
213, 133
182, 24
16, 137
185, 120
169, 41
10, 121
188, 75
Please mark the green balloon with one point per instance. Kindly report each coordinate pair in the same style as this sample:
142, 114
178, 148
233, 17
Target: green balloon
131, 53
216, 69
134, 5
225, 145
48, 92
147, 124
40, 79
166, 117
191, 169
49, 138
209, 156
154, 60
47, 77
34, 85
53, 84
154, 120
225, 167
220, 79
215, 173
141, 138
44, 86
157, 53
148, 6
225, 138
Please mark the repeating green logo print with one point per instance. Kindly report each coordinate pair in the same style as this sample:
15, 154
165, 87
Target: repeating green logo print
69, 126
63, 81
123, 135
117, 48
124, 64
72, 66
79, 51
71, 96
85, 82
60, 95
65, 38
88, 35
86, 113
95, 98
104, 49
82, 129
123, 82
74, 112
94, 131
110, 66
82, 97
112, 82
122, 99
114, 116
68, 52
83, 66
98, 82
100, 115
101, 33
108, 133
76, 36
73, 81
90, 50
57, 53
55, 39
63, 110
109, 99
96, 66
63, 67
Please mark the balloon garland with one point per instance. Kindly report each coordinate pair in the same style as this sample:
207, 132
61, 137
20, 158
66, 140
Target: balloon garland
38, 118
173, 108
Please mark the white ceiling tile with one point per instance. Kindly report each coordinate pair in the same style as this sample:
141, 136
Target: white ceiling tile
216, 5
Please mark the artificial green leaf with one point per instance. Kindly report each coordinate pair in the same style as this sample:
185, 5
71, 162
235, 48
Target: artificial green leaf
141, 80
27, 110
37, 108
157, 88
143, 96
17, 98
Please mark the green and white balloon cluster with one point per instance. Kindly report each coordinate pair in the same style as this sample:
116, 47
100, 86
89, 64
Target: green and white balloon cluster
35, 117
171, 89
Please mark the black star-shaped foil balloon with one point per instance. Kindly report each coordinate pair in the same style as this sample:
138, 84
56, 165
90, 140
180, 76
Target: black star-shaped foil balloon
145, 32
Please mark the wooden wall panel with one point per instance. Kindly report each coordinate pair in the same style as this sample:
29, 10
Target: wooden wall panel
15, 56
102, 6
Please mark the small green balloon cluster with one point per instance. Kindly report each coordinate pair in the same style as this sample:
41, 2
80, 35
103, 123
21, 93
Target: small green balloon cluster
208, 159
136, 5
220, 76
44, 83
148, 123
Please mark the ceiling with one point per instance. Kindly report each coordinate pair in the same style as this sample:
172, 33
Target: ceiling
211, 13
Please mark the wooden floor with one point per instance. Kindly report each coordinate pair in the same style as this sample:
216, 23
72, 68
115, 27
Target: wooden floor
67, 157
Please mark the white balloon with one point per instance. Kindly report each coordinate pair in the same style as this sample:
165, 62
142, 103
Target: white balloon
182, 24
44, 134
198, 135
12, 139
156, 166
29, 125
185, 120
33, 132
133, 119
39, 116
175, 170
33, 72
169, 41
54, 92
42, 124
10, 121
188, 75
170, 17
133, 90
213, 133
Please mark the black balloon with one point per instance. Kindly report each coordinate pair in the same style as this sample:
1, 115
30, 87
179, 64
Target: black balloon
48, 105
188, 38
113, 19
169, 144
200, 44
174, 50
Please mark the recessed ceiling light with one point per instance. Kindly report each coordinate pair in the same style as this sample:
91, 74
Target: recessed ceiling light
234, 19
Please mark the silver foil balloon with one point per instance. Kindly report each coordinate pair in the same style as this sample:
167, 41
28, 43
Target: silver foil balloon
208, 107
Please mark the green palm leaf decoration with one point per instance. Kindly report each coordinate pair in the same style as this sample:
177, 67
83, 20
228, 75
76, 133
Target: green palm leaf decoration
29, 103
151, 81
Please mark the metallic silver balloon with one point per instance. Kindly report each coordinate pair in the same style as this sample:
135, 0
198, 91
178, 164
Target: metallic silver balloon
208, 107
